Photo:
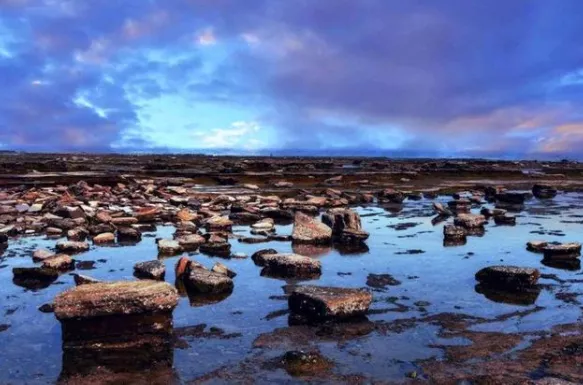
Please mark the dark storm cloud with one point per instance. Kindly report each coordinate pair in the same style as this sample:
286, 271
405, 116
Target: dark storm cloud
455, 74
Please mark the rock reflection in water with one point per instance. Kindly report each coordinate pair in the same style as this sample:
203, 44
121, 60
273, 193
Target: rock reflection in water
454, 242
310, 250
524, 297
351, 248
573, 264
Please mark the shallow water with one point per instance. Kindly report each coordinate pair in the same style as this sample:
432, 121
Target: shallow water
438, 280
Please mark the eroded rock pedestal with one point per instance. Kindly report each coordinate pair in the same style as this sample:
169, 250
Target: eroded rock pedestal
120, 326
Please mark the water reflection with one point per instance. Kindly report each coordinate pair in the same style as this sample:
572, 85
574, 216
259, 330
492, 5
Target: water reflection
523, 297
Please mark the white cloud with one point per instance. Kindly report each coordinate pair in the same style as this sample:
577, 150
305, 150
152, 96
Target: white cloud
206, 37
238, 135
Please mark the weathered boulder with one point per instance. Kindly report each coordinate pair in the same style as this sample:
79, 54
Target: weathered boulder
319, 303
203, 281
267, 224
150, 270
291, 266
128, 234
222, 269
345, 224
169, 247
470, 221
216, 245
508, 277
78, 234
309, 230
72, 246
544, 191
115, 298
259, 257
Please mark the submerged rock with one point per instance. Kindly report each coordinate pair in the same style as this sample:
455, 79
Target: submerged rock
309, 230
299, 363
508, 277
544, 191
318, 303
150, 270
291, 266
380, 281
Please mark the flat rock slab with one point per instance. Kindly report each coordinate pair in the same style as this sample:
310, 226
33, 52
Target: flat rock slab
150, 270
72, 247
208, 282
309, 230
470, 221
116, 298
169, 247
319, 303
291, 266
562, 250
60, 262
508, 277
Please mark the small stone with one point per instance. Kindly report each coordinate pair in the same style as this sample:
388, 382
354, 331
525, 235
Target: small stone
318, 303
124, 221
150, 270
470, 221
59, 262
381, 280
72, 246
536, 246
128, 234
505, 220
259, 257
191, 242
222, 269
264, 224
41, 254
53, 231
454, 232
84, 279
47, 308
104, 238
218, 223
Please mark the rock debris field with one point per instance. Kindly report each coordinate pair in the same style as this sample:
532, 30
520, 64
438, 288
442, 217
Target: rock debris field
275, 276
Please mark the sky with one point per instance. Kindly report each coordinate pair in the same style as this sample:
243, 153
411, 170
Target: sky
395, 77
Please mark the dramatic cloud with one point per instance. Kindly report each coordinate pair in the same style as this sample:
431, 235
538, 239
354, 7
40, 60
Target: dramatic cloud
414, 77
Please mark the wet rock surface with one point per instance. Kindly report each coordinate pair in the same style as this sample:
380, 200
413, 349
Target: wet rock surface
316, 303
150, 270
309, 230
508, 277
291, 266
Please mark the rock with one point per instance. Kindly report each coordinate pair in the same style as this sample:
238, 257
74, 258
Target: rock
536, 246
222, 269
59, 262
169, 247
511, 197
182, 267
84, 280
318, 303
128, 234
508, 277
392, 195
291, 266
218, 223
345, 224
185, 215
115, 298
124, 221
264, 224
562, 250
279, 215
104, 238
217, 246
544, 191
454, 232
34, 277
78, 234
460, 205
103, 217
299, 363
470, 221
381, 280
249, 186
47, 308
441, 210
505, 220
308, 230
53, 232
41, 254
3, 239
72, 246
150, 270
190, 242
254, 240
208, 282
283, 184
259, 257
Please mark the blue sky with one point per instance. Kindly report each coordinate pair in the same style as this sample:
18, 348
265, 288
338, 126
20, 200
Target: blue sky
407, 77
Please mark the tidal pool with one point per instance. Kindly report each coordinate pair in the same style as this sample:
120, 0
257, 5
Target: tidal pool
244, 334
